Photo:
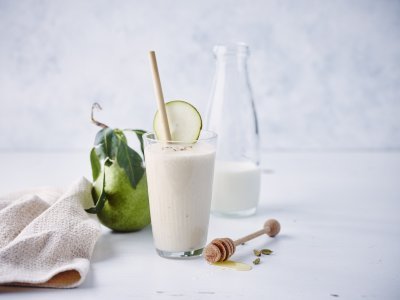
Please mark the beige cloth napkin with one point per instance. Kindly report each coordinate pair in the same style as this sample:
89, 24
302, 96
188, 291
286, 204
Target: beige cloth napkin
46, 237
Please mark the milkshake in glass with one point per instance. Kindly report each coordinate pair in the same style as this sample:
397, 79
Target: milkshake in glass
179, 178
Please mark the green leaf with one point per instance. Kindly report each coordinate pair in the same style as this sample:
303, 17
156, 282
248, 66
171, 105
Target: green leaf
106, 144
110, 146
120, 134
139, 134
99, 203
96, 166
131, 162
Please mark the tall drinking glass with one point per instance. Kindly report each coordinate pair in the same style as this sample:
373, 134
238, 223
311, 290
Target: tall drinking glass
180, 178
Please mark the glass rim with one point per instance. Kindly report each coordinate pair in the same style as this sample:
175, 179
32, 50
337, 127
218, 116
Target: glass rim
211, 136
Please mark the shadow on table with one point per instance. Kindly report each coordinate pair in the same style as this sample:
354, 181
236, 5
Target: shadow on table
107, 247
104, 248
109, 241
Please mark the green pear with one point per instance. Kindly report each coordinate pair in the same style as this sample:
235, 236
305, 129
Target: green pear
126, 208
119, 189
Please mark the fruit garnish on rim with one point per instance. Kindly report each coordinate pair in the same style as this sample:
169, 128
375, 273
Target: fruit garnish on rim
184, 121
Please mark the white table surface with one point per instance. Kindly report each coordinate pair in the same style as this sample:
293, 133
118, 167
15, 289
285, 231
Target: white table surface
340, 235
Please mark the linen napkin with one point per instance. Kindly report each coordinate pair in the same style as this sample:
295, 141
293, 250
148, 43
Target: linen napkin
46, 237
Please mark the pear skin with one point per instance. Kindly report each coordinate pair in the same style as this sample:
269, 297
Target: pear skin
127, 208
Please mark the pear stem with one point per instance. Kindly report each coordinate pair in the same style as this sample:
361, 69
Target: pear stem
97, 106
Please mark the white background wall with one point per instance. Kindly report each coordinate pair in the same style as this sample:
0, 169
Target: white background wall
325, 74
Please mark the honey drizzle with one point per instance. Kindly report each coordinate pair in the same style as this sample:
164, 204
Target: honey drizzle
230, 264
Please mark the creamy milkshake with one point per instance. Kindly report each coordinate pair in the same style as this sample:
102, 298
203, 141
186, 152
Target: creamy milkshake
180, 178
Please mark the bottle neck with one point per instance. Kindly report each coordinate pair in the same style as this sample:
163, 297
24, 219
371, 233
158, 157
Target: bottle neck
231, 110
232, 58
231, 63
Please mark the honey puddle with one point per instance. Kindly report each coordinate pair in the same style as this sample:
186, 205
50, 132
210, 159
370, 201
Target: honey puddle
230, 264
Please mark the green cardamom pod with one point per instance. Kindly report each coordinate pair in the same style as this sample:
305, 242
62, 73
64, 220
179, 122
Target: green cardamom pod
266, 251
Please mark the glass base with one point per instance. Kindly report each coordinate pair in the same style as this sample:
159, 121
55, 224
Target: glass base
235, 214
181, 255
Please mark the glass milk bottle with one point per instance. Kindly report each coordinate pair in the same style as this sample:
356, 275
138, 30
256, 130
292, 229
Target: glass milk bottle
232, 115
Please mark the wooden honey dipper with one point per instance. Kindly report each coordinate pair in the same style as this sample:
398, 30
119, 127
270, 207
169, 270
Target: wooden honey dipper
221, 249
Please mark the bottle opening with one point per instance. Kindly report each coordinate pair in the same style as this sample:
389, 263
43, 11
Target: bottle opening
240, 49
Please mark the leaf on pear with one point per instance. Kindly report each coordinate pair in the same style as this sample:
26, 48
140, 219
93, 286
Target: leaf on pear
106, 144
131, 162
99, 203
139, 134
110, 146
120, 135
96, 166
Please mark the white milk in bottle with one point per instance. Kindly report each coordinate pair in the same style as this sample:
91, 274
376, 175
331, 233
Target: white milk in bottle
236, 187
